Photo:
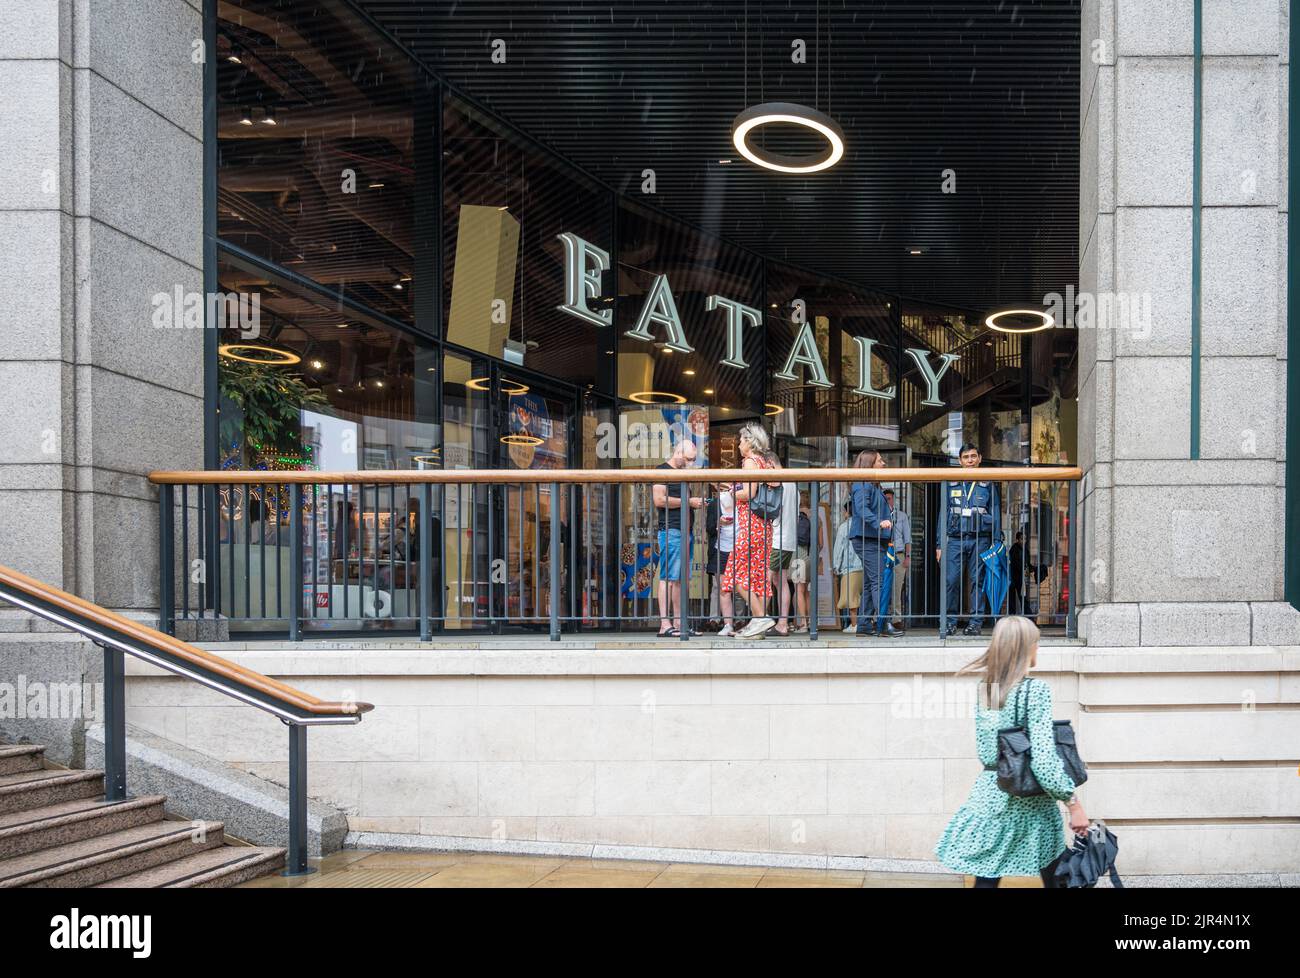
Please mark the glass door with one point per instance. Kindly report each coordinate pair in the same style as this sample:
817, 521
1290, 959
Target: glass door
534, 430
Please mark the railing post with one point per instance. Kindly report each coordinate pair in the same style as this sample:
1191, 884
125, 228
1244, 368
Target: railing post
814, 503
555, 561
166, 562
684, 552
295, 562
425, 536
296, 858
1072, 580
942, 517
114, 724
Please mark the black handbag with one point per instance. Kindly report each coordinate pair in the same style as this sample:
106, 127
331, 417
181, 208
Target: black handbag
766, 501
1015, 774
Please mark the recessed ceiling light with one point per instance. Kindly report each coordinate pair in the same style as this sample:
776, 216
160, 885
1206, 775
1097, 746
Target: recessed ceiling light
689, 373
708, 390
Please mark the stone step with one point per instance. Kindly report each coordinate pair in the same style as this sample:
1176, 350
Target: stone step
38, 789
107, 857
71, 821
17, 758
216, 868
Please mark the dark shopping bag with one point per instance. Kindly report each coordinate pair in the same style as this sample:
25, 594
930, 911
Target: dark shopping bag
1092, 854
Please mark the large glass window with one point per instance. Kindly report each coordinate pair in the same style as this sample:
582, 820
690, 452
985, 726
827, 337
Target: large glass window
688, 267
505, 203
834, 314
318, 386
323, 130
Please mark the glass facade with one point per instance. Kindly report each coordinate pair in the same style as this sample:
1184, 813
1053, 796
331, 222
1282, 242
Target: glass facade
435, 289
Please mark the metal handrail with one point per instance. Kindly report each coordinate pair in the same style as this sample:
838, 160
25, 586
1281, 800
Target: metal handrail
1046, 473
117, 636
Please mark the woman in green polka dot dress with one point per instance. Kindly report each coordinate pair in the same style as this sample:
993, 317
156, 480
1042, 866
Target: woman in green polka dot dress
995, 834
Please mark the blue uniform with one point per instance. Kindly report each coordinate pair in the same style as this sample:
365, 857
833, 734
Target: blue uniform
870, 541
974, 513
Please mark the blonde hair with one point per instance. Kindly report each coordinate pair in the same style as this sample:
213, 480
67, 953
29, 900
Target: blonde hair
1006, 660
757, 438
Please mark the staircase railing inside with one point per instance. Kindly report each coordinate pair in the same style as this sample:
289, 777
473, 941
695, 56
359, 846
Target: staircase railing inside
119, 636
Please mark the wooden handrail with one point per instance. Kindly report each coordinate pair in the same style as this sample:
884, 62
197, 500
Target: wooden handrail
1054, 473
247, 679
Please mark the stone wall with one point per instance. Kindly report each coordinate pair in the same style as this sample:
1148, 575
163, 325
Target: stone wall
1182, 552
785, 753
101, 210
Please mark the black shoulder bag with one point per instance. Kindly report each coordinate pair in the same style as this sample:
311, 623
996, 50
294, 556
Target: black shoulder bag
766, 501
1015, 775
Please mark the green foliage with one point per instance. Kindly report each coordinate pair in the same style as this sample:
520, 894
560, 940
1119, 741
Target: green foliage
269, 400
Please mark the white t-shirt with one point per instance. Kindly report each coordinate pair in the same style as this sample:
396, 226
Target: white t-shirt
785, 528
726, 531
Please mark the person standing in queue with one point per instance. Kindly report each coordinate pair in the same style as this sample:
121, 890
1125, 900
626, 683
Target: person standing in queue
974, 514
870, 531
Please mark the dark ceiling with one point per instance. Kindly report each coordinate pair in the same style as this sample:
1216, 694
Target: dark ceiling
986, 89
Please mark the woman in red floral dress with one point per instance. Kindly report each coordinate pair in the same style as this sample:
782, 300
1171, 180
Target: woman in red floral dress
747, 570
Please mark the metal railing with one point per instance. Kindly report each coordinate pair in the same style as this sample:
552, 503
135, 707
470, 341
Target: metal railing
471, 550
119, 636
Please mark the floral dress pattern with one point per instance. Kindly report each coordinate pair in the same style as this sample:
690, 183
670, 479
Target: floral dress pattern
997, 834
752, 550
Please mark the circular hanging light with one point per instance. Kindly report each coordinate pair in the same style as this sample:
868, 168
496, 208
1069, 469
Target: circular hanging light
513, 388
656, 397
530, 440
770, 113
1045, 321
277, 358
775, 409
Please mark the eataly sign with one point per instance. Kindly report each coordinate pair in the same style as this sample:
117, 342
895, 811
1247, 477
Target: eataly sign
584, 262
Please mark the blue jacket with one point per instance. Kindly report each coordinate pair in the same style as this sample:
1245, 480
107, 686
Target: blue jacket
984, 503
869, 508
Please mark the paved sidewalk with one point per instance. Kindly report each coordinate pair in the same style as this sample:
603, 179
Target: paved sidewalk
365, 868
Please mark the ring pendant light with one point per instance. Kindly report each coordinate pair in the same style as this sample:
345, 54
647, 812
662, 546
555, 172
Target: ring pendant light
1045, 321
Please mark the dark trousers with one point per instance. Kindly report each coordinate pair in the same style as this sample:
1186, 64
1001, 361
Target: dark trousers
1047, 874
872, 554
962, 567
1016, 597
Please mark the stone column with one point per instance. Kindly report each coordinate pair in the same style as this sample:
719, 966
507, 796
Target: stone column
101, 211
1181, 551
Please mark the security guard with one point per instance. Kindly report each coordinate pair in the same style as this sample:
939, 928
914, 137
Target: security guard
974, 512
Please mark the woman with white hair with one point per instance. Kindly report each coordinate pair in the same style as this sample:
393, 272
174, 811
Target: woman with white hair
996, 834
747, 570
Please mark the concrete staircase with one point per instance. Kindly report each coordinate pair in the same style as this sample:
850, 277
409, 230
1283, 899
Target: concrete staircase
56, 830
